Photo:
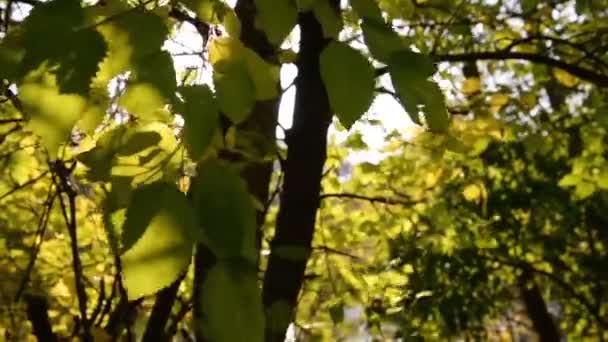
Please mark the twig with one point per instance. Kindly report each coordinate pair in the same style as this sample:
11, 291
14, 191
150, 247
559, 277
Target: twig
326, 249
373, 199
42, 224
63, 184
583, 73
22, 186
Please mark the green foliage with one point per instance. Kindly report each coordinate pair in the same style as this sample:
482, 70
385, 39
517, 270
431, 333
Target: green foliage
240, 77
276, 18
338, 61
410, 74
201, 116
233, 303
152, 84
157, 238
218, 193
420, 235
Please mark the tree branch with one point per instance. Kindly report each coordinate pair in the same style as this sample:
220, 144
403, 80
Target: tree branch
37, 314
600, 80
373, 199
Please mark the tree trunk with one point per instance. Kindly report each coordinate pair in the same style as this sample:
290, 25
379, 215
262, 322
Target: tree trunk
307, 143
537, 309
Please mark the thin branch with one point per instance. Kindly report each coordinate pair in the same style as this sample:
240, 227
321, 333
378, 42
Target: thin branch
583, 73
330, 250
42, 224
62, 183
372, 199
23, 186
7, 121
201, 27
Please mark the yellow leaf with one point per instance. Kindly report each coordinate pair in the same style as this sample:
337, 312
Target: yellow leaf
60, 290
471, 86
497, 101
565, 77
471, 192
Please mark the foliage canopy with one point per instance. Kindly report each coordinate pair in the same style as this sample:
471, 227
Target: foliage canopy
150, 190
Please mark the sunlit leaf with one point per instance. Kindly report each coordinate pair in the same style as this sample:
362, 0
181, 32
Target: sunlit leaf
53, 115
338, 61
151, 86
225, 210
132, 35
235, 90
158, 236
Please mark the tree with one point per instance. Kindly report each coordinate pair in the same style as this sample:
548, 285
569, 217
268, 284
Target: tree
172, 202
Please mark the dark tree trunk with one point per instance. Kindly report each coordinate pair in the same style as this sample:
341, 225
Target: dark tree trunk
37, 314
537, 309
307, 143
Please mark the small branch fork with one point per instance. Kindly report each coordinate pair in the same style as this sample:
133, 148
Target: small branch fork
65, 186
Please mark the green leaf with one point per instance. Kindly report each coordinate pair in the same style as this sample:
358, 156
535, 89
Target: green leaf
329, 18
52, 34
235, 90
201, 118
225, 209
381, 40
139, 141
402, 9
336, 312
232, 304
276, 18
11, 54
151, 86
52, 114
131, 34
240, 76
367, 9
22, 165
99, 160
264, 76
158, 235
232, 24
208, 11
341, 65
416, 92
570, 180
79, 61
99, 100
305, 5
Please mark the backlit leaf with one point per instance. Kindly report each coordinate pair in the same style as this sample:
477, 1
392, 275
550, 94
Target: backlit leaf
416, 92
52, 114
201, 115
235, 90
276, 18
158, 236
151, 86
328, 17
381, 40
367, 9
225, 210
338, 61
232, 304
